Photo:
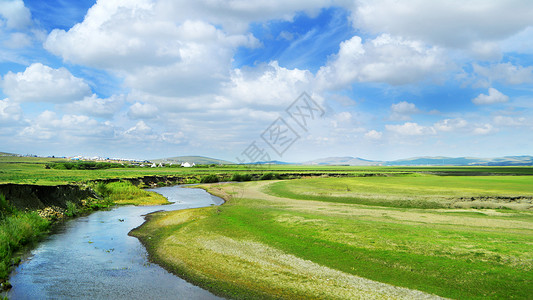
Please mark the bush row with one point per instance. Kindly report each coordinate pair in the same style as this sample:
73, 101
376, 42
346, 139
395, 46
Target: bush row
239, 177
84, 165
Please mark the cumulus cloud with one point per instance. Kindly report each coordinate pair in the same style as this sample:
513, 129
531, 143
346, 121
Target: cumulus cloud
251, 94
18, 40
16, 14
504, 73
142, 111
521, 42
448, 125
510, 121
48, 125
173, 137
494, 96
387, 59
18, 32
40, 83
373, 135
154, 51
410, 129
236, 15
455, 23
141, 132
9, 111
402, 111
96, 107
484, 129
268, 86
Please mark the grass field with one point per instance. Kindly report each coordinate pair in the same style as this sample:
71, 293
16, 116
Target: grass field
125, 193
32, 170
416, 191
268, 241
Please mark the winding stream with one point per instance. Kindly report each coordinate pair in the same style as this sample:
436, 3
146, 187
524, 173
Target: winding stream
93, 257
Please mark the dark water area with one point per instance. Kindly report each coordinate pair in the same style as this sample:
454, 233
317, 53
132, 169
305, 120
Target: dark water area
93, 257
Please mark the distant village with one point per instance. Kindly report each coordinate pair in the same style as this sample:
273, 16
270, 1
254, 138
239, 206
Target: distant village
133, 162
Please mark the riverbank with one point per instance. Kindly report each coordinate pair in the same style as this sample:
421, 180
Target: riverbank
261, 245
27, 212
93, 257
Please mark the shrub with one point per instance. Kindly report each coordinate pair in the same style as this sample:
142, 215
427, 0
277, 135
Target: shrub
72, 209
236, 177
5, 207
83, 165
17, 230
241, 177
102, 189
268, 176
246, 177
209, 179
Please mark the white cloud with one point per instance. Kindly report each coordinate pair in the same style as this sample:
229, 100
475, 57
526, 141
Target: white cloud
141, 132
411, 129
386, 59
494, 96
9, 111
521, 42
341, 121
17, 15
250, 95
484, 129
265, 86
68, 128
18, 40
236, 15
18, 32
373, 135
503, 72
156, 52
142, 111
456, 23
40, 83
173, 137
448, 125
402, 111
97, 107
510, 121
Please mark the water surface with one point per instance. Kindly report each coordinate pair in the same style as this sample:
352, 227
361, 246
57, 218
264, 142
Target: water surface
93, 257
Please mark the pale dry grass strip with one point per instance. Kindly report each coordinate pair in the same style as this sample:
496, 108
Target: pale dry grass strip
255, 190
250, 263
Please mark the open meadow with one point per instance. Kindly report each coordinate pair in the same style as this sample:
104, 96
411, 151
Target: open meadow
407, 237
332, 232
33, 170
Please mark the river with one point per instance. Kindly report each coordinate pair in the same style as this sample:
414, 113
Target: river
93, 257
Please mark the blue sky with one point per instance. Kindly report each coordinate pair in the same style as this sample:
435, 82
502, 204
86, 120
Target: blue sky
150, 79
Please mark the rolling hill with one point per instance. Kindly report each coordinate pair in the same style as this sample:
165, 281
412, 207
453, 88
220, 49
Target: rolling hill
427, 161
199, 160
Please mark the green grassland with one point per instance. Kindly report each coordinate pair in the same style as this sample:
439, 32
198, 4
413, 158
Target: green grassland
125, 193
32, 170
270, 241
416, 191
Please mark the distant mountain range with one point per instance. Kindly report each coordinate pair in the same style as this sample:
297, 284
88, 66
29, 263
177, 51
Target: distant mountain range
524, 160
199, 160
346, 160
428, 161
356, 161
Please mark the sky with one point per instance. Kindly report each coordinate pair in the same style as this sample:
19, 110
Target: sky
249, 81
